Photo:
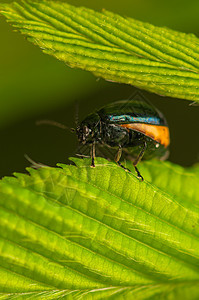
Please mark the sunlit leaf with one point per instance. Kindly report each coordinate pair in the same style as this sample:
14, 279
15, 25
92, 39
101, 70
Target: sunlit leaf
119, 49
80, 232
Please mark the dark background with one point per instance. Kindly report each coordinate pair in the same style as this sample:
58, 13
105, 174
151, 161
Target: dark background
35, 86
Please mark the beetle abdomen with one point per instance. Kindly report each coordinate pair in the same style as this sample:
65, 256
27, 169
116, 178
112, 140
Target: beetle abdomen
159, 134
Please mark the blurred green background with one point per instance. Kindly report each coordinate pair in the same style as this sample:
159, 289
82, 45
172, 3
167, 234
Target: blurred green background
36, 86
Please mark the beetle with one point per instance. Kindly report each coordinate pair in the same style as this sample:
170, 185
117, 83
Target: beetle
134, 127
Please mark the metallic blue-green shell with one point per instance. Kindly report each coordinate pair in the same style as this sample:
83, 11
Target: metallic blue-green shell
131, 111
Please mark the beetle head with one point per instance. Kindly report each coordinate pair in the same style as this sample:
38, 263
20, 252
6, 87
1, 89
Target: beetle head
84, 134
88, 131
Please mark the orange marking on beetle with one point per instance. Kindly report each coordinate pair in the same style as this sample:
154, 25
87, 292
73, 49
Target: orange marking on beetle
159, 134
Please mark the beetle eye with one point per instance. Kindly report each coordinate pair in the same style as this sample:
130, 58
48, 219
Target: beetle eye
86, 130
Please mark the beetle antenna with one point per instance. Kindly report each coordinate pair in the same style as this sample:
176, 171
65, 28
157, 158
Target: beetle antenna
193, 104
54, 123
77, 115
33, 163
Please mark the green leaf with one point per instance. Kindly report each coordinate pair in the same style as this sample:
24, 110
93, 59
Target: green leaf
119, 49
79, 232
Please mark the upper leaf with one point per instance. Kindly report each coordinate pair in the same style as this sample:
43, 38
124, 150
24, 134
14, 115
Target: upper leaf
113, 47
90, 233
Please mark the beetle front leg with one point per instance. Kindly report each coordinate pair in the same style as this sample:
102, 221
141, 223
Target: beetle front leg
93, 155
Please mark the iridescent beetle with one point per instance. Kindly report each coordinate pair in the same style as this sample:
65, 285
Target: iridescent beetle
132, 126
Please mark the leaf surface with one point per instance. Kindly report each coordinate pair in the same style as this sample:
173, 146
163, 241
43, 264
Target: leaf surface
78, 232
118, 49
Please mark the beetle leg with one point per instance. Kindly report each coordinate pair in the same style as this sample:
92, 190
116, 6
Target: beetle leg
138, 159
118, 154
117, 158
138, 173
93, 155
